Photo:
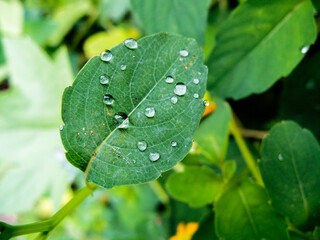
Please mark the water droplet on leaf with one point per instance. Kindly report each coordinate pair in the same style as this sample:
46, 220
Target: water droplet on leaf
123, 67
206, 103
280, 157
180, 89
61, 127
131, 43
173, 144
106, 56
150, 112
154, 156
196, 95
104, 79
304, 49
196, 81
184, 53
122, 120
142, 146
169, 79
108, 99
174, 100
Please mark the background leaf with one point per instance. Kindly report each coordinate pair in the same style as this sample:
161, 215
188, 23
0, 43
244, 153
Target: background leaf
173, 16
260, 42
91, 133
203, 185
242, 212
289, 166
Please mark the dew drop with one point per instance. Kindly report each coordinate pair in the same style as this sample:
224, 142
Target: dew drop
196, 81
174, 100
131, 43
104, 79
169, 79
123, 67
61, 127
106, 56
150, 112
154, 156
184, 53
108, 99
173, 144
122, 120
206, 103
142, 146
280, 157
304, 49
180, 89
196, 95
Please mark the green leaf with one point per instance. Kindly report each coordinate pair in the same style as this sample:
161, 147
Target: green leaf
316, 233
195, 185
40, 30
212, 135
243, 212
290, 167
31, 151
114, 10
11, 18
185, 17
206, 229
98, 143
259, 43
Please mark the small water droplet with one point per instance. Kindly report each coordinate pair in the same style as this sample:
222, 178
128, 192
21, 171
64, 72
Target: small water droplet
196, 81
174, 100
280, 157
206, 103
123, 67
154, 156
196, 95
169, 79
106, 56
131, 43
173, 144
304, 49
104, 79
150, 112
184, 53
108, 99
142, 146
61, 127
122, 120
180, 89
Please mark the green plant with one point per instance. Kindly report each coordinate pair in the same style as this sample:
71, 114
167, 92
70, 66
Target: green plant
141, 110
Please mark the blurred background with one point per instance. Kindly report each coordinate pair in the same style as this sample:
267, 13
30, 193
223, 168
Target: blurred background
44, 43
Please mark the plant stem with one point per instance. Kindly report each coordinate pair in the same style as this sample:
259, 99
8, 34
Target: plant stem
159, 191
245, 152
9, 231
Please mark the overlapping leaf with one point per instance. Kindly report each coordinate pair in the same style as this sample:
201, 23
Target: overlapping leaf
99, 144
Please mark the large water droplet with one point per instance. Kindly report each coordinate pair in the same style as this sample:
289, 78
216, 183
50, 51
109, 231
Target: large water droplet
280, 157
174, 100
142, 146
108, 99
150, 112
304, 49
61, 127
184, 53
196, 95
180, 89
122, 120
123, 67
169, 79
131, 43
196, 81
173, 144
154, 156
104, 79
106, 56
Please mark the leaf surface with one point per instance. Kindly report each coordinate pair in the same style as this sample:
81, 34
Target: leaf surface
173, 16
290, 167
243, 212
96, 142
259, 43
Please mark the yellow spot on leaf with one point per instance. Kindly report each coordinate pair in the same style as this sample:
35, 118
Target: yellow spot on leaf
185, 231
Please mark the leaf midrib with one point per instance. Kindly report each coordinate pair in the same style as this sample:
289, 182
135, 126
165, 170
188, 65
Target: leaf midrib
132, 111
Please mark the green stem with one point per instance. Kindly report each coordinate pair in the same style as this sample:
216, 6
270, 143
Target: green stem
159, 191
245, 152
9, 231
